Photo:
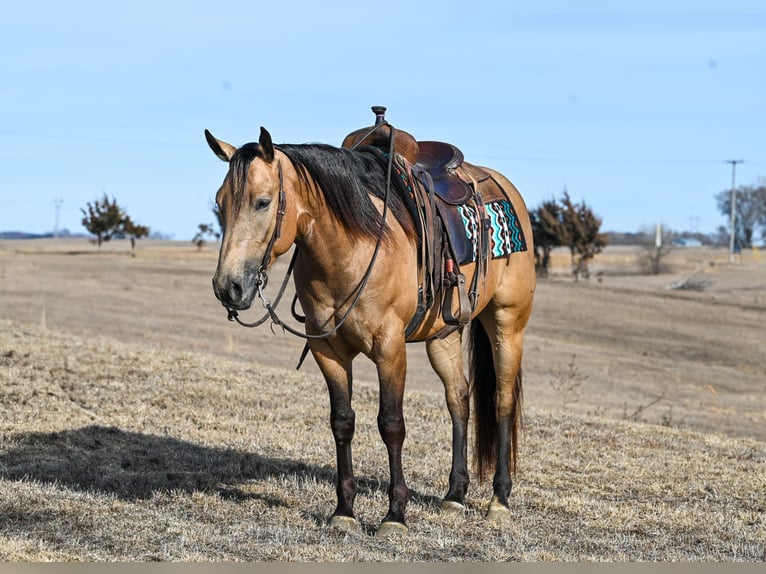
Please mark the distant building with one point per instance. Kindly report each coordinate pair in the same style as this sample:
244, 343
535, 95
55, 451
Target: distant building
688, 242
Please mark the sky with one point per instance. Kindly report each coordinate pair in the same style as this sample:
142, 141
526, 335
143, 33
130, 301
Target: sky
632, 107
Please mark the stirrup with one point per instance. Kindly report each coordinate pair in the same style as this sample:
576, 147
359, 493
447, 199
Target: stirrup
464, 306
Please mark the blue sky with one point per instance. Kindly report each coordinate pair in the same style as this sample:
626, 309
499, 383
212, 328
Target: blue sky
633, 107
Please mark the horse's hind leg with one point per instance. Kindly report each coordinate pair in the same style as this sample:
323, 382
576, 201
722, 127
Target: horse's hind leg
447, 360
504, 339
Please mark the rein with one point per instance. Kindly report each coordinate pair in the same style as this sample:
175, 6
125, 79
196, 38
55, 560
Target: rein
262, 277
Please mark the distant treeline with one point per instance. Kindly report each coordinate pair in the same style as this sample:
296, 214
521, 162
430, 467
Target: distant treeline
26, 235
613, 237
638, 237
64, 233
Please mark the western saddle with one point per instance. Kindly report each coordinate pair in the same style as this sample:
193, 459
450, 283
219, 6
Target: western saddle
441, 192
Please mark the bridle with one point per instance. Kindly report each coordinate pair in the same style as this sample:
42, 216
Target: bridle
261, 278
261, 274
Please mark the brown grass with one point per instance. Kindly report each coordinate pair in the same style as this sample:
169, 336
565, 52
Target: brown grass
138, 425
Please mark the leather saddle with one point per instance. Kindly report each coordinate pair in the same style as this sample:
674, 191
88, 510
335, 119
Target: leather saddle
446, 189
441, 160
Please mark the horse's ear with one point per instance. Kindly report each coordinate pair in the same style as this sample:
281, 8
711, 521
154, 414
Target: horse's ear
265, 145
220, 148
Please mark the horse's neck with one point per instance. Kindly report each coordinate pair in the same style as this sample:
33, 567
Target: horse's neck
324, 242
322, 239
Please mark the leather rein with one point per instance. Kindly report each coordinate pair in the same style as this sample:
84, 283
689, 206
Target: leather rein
262, 277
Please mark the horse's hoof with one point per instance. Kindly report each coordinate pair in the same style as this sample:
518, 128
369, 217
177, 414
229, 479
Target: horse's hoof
497, 511
452, 507
391, 528
344, 523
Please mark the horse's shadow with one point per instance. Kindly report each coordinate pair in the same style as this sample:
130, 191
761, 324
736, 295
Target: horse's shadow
132, 466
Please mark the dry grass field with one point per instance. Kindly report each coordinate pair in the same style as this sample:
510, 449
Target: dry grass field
137, 424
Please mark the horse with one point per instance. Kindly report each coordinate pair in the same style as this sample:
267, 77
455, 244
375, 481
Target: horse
356, 279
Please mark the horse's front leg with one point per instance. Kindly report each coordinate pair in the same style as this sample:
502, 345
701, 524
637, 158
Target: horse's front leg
391, 364
337, 374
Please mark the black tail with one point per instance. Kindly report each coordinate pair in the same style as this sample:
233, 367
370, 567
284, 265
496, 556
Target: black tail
483, 388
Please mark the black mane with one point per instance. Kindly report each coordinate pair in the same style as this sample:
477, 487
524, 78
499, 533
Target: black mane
238, 167
345, 177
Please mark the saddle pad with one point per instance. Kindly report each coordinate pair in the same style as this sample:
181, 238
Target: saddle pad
505, 233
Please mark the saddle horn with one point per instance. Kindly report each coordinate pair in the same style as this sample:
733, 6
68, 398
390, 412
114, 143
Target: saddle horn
404, 143
380, 114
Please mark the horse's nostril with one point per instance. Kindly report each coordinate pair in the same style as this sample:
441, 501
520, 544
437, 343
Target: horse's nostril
228, 292
235, 291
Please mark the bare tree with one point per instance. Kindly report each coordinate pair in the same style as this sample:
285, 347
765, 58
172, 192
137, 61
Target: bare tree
205, 231
656, 244
750, 211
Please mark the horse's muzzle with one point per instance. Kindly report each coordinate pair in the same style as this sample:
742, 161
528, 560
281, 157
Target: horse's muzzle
235, 292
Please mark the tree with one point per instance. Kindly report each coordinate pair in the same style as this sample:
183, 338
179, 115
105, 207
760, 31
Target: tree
548, 233
134, 231
103, 218
205, 230
106, 219
567, 224
581, 234
749, 213
655, 245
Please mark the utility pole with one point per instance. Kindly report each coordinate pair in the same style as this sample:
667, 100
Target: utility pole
732, 221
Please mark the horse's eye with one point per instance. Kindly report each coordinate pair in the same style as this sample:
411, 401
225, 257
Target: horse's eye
262, 203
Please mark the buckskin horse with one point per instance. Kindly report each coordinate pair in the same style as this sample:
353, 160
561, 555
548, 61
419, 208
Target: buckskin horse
444, 249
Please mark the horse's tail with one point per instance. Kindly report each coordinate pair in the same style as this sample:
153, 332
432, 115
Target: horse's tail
484, 387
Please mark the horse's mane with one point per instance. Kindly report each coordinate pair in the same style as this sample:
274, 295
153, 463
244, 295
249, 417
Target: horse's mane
345, 177
238, 167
